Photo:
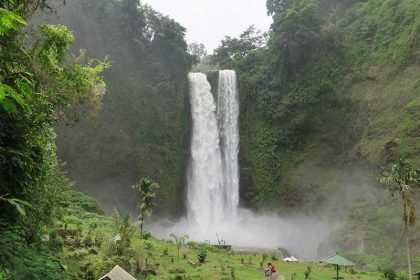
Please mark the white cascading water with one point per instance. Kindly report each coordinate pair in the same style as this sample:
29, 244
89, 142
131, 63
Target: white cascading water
205, 194
213, 183
227, 115
213, 180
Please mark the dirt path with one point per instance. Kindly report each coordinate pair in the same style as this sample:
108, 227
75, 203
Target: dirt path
276, 276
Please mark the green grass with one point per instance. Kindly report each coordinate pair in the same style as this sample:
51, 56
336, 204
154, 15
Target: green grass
161, 257
218, 262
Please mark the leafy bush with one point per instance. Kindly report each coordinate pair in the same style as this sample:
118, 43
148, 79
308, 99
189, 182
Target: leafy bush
20, 261
193, 245
308, 272
202, 254
390, 274
402, 276
77, 200
78, 254
165, 251
351, 270
232, 272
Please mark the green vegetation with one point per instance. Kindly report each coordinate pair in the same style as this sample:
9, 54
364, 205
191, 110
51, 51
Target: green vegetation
328, 98
39, 85
402, 178
179, 242
143, 126
71, 257
147, 191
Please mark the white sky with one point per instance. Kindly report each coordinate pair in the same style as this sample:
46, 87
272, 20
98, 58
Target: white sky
208, 21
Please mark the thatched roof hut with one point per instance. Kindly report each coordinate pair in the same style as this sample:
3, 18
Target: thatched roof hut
117, 273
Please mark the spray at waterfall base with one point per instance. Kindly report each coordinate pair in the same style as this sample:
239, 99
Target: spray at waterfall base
213, 182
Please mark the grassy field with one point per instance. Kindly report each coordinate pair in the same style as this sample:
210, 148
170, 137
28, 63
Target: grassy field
150, 258
223, 264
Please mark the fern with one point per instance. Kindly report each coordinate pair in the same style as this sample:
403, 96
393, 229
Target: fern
9, 97
10, 21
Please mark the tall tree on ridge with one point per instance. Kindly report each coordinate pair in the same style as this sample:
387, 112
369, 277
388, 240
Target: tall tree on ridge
401, 179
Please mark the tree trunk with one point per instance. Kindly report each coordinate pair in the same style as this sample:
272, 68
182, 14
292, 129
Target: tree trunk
141, 226
407, 239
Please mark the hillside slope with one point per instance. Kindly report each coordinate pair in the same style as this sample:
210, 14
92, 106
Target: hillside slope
331, 100
143, 127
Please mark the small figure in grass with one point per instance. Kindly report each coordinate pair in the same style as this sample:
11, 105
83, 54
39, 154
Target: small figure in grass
271, 271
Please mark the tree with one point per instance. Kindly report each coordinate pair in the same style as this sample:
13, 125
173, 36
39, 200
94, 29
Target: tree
275, 7
40, 84
295, 36
147, 190
197, 50
250, 39
125, 231
401, 179
179, 242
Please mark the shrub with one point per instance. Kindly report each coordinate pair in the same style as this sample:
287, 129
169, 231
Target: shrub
88, 241
351, 270
264, 258
146, 235
108, 248
223, 268
193, 245
165, 251
261, 264
390, 274
148, 245
232, 272
177, 270
202, 254
308, 272
402, 276
78, 254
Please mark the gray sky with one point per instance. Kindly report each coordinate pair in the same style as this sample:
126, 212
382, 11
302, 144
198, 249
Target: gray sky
208, 21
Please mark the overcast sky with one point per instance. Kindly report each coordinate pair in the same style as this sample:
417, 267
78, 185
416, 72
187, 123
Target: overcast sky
208, 21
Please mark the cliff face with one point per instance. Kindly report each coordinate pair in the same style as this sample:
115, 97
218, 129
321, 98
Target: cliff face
331, 101
143, 127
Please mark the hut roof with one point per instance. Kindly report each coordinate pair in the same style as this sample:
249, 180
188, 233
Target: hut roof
337, 259
117, 273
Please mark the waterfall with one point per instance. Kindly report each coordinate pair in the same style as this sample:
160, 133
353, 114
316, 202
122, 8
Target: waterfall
213, 180
213, 183
205, 204
227, 114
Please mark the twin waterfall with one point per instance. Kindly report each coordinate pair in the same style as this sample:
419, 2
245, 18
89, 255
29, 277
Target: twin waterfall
213, 183
213, 175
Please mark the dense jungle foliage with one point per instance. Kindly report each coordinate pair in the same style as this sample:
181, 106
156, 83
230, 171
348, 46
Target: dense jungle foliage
329, 97
143, 126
